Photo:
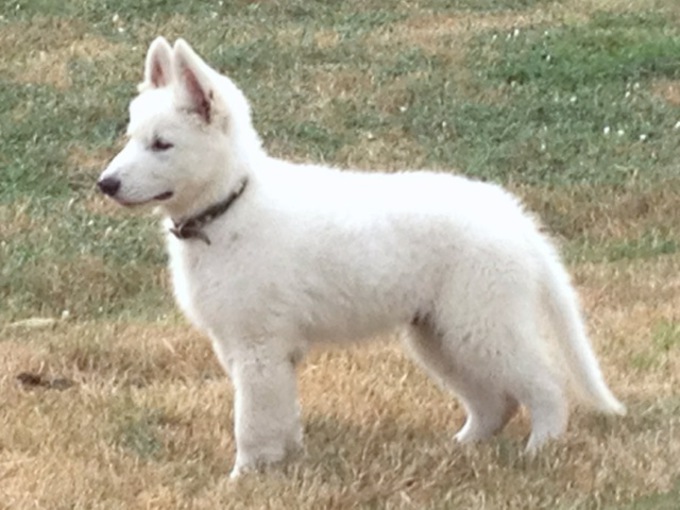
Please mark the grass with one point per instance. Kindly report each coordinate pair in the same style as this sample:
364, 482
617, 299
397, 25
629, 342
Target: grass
573, 105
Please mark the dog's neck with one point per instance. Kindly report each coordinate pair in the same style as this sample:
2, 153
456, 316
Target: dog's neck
192, 227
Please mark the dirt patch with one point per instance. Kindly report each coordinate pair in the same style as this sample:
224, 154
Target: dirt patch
325, 39
668, 90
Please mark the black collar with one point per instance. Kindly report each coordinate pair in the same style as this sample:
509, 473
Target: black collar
192, 227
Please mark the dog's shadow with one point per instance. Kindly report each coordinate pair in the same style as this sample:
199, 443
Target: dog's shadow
393, 443
340, 448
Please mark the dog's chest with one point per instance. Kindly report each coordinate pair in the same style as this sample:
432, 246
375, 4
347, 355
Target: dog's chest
198, 282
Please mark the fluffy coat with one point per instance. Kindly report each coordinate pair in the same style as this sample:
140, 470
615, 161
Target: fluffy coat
309, 254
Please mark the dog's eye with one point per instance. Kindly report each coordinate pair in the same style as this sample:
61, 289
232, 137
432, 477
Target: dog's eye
159, 145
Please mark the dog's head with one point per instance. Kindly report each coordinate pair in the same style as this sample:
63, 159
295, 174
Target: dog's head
189, 130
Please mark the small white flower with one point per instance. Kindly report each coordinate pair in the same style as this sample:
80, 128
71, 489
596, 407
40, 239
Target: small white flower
627, 94
402, 109
494, 37
606, 130
443, 123
643, 137
65, 314
620, 132
515, 32
572, 99
115, 18
121, 30
677, 125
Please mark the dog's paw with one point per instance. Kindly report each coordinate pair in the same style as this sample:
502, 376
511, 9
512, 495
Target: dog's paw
263, 462
241, 470
237, 472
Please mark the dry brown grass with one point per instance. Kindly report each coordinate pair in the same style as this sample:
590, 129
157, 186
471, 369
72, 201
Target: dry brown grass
606, 214
382, 152
669, 90
84, 165
148, 422
58, 42
15, 219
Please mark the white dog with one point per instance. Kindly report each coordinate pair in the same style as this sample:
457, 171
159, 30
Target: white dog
269, 258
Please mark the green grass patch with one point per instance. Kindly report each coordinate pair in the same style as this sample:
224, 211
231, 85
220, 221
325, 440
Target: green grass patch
662, 501
67, 258
42, 125
665, 338
546, 105
574, 104
354, 13
609, 49
651, 244
138, 429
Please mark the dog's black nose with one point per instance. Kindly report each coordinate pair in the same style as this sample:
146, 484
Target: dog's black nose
109, 186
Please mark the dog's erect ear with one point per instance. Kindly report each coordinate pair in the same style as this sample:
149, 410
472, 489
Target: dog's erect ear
158, 67
194, 87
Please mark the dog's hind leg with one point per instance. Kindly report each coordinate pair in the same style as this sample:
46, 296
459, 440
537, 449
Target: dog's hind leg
488, 412
541, 389
491, 353
528, 374
489, 407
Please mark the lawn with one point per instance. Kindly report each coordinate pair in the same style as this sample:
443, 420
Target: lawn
111, 400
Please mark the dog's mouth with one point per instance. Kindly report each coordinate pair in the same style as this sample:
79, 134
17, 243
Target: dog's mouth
164, 196
158, 198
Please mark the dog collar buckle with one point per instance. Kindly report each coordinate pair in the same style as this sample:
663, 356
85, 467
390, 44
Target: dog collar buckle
189, 230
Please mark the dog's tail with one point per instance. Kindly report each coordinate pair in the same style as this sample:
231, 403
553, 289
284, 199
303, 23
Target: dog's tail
565, 318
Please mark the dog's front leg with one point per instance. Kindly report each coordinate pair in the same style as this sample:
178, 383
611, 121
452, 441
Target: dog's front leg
266, 411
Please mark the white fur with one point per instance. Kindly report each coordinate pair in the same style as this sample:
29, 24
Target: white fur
310, 254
